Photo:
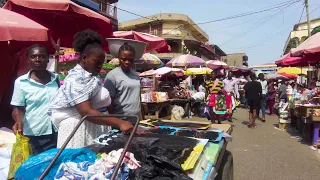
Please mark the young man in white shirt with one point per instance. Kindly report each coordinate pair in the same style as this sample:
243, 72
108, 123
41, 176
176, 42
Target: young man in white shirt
264, 85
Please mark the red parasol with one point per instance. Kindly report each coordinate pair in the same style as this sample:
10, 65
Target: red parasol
288, 60
63, 18
154, 42
14, 26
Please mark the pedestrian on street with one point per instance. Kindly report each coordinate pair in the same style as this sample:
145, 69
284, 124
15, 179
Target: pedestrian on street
231, 87
31, 98
253, 93
283, 91
264, 85
272, 92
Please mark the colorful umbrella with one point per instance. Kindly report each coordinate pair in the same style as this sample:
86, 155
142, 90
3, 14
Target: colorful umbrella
216, 64
154, 42
63, 18
166, 70
14, 26
276, 76
290, 76
198, 71
309, 46
241, 69
186, 60
147, 73
292, 71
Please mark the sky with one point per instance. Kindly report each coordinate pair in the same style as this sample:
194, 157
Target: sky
261, 36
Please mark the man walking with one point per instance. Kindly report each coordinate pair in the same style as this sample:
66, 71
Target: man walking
253, 93
231, 87
264, 86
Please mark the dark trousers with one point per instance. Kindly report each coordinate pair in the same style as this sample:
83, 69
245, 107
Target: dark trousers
42, 143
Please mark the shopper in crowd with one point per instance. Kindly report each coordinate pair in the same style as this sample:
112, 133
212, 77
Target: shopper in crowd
82, 94
231, 87
264, 85
123, 84
213, 86
272, 92
31, 99
253, 93
283, 91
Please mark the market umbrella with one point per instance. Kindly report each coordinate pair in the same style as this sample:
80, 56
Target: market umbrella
288, 60
14, 26
290, 76
154, 42
241, 69
166, 70
292, 71
63, 18
147, 73
309, 46
186, 60
146, 61
198, 71
216, 64
276, 76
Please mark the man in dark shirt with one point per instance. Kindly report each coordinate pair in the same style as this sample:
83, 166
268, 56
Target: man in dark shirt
253, 93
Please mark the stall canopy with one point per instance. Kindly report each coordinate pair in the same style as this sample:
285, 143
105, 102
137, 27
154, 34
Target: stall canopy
154, 42
147, 61
198, 71
309, 46
216, 65
276, 76
290, 76
63, 18
186, 60
292, 71
14, 26
166, 70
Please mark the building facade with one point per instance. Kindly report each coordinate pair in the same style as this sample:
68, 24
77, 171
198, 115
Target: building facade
300, 34
106, 8
181, 33
269, 68
237, 59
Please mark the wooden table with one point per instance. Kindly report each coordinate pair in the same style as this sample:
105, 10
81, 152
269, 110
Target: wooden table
154, 109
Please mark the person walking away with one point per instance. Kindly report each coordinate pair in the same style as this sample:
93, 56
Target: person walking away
264, 85
82, 94
31, 98
253, 93
231, 87
272, 92
123, 83
283, 91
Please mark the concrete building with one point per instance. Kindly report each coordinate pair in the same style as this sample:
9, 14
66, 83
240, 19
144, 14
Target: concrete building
181, 33
237, 59
299, 34
107, 8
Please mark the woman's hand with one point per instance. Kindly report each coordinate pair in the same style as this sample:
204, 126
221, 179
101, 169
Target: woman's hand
126, 127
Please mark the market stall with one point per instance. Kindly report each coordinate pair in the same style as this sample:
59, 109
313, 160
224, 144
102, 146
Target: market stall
164, 149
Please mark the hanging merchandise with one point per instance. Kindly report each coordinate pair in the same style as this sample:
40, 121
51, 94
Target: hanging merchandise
221, 104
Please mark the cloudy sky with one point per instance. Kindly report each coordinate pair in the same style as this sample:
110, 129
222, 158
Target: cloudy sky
261, 36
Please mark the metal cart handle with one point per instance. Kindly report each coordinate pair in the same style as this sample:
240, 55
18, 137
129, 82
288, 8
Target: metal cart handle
45, 172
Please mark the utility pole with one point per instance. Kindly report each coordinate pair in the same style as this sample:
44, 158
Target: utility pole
306, 2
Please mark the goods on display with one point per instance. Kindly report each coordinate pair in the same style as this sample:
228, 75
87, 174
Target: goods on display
154, 97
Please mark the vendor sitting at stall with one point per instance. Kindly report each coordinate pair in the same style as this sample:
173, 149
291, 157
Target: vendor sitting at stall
82, 94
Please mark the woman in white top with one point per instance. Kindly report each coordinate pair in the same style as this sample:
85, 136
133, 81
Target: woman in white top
83, 94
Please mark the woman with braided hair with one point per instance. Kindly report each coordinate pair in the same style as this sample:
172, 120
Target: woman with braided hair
83, 94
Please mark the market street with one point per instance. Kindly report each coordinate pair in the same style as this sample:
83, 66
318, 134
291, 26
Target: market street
266, 153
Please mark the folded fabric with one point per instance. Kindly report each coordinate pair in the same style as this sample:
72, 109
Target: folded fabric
35, 165
102, 169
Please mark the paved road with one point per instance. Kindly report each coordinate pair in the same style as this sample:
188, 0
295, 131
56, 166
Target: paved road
265, 153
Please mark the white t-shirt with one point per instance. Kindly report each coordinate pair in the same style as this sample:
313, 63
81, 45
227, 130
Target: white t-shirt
201, 89
199, 96
264, 86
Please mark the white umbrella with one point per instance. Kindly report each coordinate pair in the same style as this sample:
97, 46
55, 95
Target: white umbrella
216, 64
166, 70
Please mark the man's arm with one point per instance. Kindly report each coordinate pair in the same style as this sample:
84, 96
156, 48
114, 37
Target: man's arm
18, 116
